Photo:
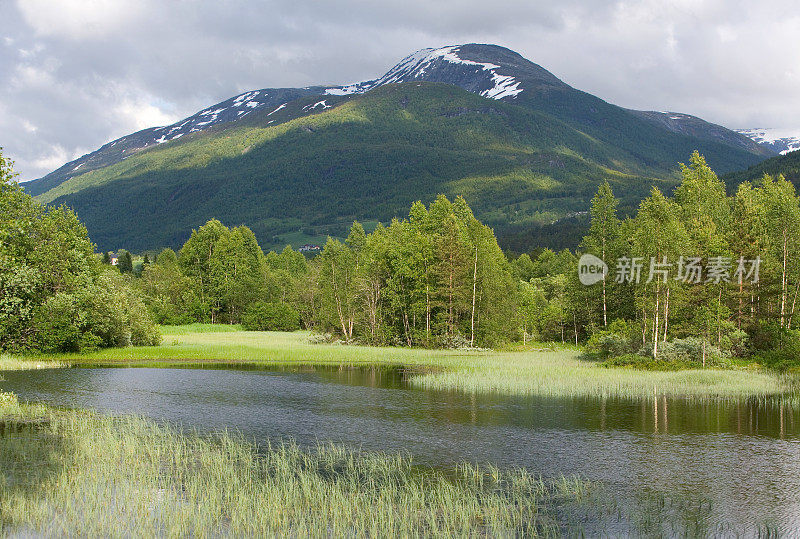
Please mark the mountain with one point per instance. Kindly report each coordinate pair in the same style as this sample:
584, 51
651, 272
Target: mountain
693, 126
787, 164
780, 141
523, 147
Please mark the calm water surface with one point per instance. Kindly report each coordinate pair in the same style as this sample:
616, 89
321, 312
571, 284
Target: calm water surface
725, 467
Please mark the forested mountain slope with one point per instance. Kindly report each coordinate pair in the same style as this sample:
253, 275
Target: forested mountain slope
524, 149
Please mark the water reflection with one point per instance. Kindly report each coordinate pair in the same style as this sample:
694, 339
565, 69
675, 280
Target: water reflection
729, 465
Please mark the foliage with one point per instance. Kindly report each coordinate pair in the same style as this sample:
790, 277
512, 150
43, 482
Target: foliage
105, 314
618, 339
124, 261
270, 316
750, 307
55, 294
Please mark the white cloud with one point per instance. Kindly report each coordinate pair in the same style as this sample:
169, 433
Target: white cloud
141, 115
56, 156
80, 19
28, 127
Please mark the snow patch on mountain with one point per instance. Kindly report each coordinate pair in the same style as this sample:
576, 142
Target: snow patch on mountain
231, 109
418, 64
782, 141
315, 105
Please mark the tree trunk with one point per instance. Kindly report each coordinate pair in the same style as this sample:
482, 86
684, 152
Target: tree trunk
741, 296
644, 326
655, 324
605, 318
704, 351
666, 314
783, 275
719, 317
427, 311
575, 328
794, 303
474, 290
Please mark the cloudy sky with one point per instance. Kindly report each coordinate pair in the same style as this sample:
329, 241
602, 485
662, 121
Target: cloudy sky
75, 74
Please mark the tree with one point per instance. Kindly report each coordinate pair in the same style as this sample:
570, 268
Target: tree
603, 235
168, 293
660, 237
451, 274
338, 287
124, 262
782, 217
195, 258
54, 293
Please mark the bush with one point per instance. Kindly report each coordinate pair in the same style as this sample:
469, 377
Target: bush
617, 340
268, 316
737, 342
104, 314
644, 362
686, 353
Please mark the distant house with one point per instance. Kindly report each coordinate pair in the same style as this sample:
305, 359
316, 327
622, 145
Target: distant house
309, 247
114, 260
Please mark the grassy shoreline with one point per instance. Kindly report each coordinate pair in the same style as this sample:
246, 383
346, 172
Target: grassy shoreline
67, 472
550, 372
11, 363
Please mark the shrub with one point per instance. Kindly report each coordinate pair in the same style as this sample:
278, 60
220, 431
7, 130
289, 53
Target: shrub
686, 353
737, 342
103, 314
617, 340
269, 316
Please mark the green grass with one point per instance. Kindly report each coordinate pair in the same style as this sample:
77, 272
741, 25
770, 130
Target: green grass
548, 372
200, 328
10, 363
68, 473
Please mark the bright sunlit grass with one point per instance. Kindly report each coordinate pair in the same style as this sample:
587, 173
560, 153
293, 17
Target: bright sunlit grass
11, 363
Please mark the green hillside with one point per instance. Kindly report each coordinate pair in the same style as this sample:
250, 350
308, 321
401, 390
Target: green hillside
371, 155
788, 165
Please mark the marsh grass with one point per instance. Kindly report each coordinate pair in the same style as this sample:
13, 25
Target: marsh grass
10, 363
552, 371
70, 473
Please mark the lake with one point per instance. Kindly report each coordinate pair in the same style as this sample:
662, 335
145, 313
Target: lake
725, 467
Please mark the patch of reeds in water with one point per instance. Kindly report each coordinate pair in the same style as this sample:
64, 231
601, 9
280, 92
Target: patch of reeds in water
78, 473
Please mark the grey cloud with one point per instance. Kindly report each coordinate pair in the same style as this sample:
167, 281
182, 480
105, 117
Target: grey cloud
71, 80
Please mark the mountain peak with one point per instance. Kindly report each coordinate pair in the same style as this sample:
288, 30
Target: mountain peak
491, 71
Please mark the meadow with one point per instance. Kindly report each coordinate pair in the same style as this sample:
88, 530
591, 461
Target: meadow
535, 370
66, 472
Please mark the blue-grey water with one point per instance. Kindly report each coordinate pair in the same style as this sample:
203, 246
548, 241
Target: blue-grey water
727, 467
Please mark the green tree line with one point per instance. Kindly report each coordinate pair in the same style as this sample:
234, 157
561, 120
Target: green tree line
719, 275
436, 278
55, 294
